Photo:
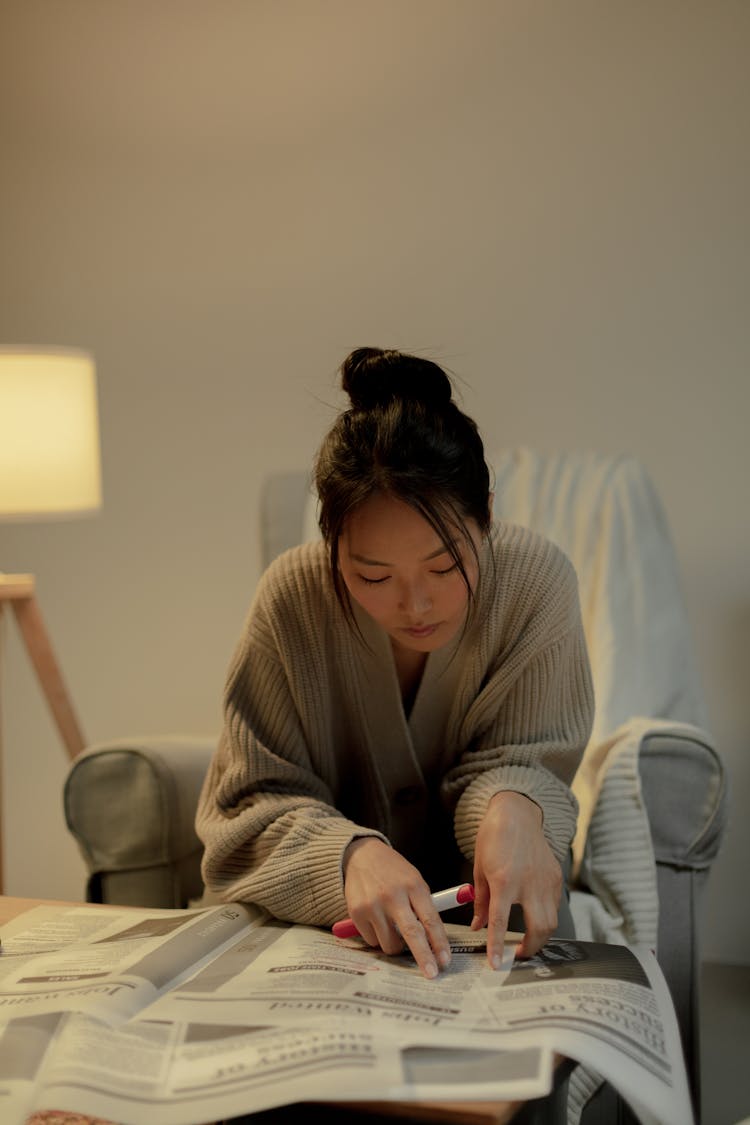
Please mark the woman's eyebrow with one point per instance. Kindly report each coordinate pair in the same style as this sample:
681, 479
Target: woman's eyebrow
377, 562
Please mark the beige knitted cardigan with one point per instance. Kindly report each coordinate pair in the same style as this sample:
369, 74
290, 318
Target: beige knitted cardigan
317, 749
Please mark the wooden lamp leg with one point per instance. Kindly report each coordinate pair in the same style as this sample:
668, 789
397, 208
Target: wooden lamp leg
48, 671
18, 590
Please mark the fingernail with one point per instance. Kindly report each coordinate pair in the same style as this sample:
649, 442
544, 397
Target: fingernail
496, 960
444, 958
431, 970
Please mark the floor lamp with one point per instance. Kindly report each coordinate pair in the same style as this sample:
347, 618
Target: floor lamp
49, 469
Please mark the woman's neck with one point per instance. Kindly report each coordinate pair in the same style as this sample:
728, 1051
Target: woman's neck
410, 667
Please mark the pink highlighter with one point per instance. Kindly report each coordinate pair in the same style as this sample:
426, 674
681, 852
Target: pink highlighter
442, 900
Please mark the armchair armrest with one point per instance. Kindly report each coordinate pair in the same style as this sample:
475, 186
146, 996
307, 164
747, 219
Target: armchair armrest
130, 805
659, 814
684, 786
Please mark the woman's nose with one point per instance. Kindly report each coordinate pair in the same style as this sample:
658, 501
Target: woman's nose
415, 598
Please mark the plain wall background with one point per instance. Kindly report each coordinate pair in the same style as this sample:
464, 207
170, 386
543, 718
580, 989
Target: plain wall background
221, 198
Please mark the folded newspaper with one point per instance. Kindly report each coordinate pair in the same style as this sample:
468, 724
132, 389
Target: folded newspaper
153, 1017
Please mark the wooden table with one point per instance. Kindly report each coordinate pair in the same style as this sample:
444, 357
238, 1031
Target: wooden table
539, 1112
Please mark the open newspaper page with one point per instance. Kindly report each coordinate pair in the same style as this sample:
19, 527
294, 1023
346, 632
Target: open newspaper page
607, 1006
181, 1071
58, 960
188, 1074
287, 975
276, 1014
109, 963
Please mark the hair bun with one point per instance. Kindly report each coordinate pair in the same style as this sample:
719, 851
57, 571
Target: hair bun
374, 377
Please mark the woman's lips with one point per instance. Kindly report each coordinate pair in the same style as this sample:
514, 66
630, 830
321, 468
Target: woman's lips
421, 630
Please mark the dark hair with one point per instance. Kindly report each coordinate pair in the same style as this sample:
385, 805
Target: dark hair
404, 437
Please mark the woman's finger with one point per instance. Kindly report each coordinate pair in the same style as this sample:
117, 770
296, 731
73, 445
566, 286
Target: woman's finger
415, 936
497, 927
540, 919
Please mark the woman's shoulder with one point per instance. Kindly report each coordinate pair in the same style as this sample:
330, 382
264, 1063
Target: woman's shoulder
292, 600
298, 574
518, 548
528, 575
291, 603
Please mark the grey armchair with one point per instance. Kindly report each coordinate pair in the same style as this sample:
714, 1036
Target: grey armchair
130, 803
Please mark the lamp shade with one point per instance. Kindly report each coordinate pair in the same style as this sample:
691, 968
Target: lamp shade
50, 464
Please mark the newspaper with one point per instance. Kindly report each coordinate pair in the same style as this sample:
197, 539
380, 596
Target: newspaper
185, 1017
108, 963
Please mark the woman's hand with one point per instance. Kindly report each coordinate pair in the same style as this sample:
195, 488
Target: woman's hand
514, 863
390, 904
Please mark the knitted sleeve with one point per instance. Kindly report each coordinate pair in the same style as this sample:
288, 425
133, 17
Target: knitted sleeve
266, 813
529, 725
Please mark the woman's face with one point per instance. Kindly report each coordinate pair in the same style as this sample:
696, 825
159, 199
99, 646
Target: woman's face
397, 567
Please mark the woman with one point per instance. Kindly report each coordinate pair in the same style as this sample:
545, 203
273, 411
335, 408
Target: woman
411, 696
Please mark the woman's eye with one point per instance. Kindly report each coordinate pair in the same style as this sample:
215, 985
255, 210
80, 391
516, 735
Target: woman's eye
373, 581
448, 570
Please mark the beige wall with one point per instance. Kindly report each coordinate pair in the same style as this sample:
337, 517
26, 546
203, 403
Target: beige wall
221, 198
